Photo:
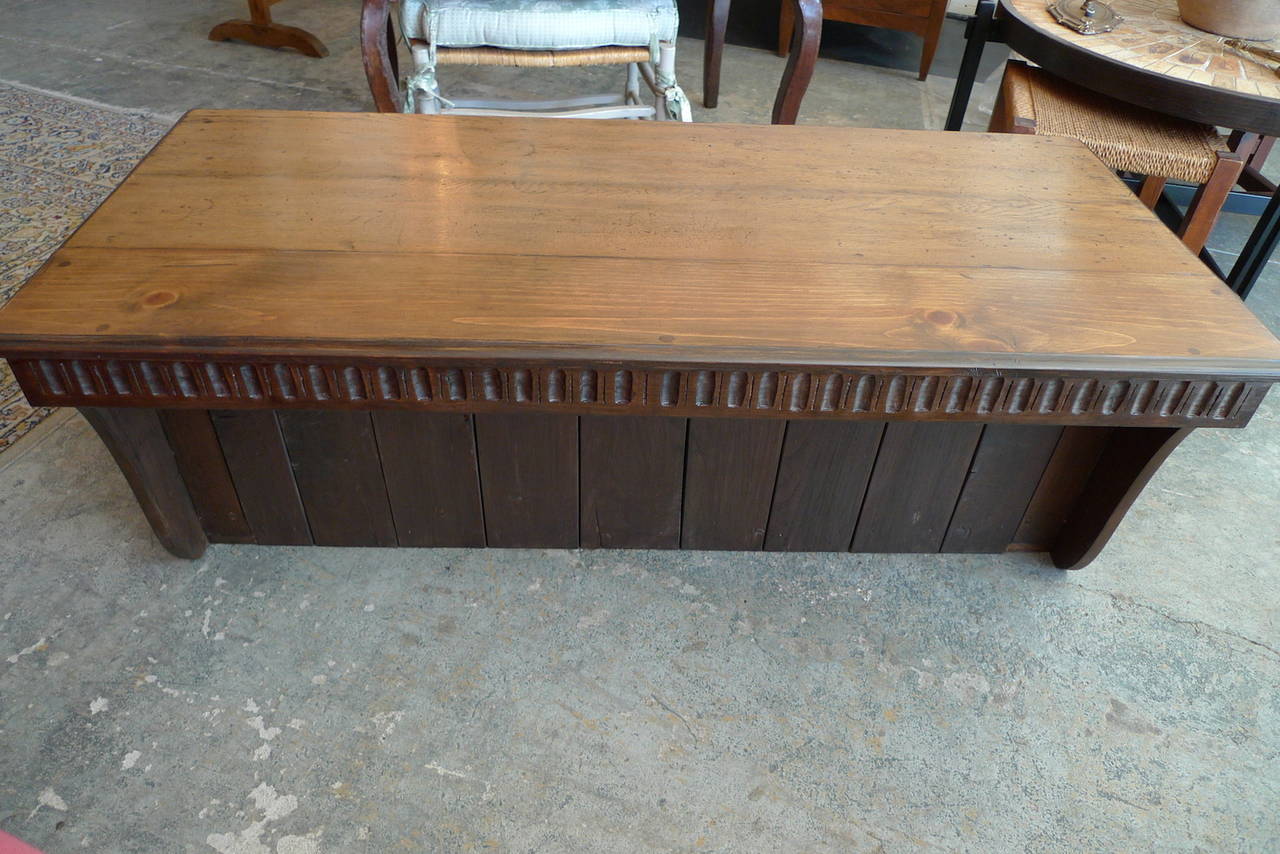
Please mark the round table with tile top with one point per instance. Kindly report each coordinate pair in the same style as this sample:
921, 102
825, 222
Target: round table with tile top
1153, 60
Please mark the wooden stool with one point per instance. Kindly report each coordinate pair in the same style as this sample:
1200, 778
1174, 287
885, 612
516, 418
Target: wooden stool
1127, 139
922, 17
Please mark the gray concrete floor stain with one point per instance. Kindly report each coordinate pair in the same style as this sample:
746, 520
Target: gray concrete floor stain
315, 700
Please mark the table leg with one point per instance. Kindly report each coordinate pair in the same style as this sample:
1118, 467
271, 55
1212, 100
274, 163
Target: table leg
804, 55
1126, 465
977, 35
137, 441
1257, 250
713, 50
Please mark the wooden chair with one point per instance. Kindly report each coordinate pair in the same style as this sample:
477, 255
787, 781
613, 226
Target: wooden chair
1127, 139
639, 34
922, 17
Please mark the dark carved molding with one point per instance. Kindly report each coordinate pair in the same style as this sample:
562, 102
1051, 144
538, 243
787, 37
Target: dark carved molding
790, 393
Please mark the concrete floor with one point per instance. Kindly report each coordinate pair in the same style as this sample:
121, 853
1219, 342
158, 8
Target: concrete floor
295, 701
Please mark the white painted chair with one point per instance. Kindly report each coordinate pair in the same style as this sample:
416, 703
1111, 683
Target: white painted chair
640, 34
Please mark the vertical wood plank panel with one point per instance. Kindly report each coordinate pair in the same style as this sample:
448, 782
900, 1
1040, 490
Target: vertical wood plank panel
199, 457
1010, 461
914, 487
730, 472
429, 464
529, 479
1060, 487
259, 465
632, 475
136, 439
821, 483
339, 476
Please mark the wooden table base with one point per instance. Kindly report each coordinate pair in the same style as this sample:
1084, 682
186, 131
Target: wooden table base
536, 480
264, 32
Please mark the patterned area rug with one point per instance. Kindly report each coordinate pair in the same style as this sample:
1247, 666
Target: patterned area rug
58, 160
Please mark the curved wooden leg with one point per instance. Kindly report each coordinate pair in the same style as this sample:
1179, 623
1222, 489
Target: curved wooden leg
786, 26
136, 438
393, 55
804, 55
1130, 459
269, 35
377, 49
264, 32
713, 50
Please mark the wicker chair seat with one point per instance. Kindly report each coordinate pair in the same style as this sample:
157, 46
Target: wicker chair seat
1124, 137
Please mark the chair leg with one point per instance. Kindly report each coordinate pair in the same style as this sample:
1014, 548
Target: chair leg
786, 25
392, 54
1000, 122
1003, 118
1151, 191
1262, 152
804, 55
671, 101
379, 68
631, 94
713, 50
933, 31
1208, 201
421, 89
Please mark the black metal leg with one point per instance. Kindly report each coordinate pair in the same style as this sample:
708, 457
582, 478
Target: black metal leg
1257, 250
976, 35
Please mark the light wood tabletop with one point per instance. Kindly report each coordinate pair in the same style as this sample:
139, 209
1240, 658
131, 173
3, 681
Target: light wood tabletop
419, 235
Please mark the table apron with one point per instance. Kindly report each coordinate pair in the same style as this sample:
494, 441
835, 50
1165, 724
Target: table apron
1065, 397
537, 480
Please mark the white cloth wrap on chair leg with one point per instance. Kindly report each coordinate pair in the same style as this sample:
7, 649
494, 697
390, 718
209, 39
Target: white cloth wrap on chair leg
674, 101
421, 91
661, 79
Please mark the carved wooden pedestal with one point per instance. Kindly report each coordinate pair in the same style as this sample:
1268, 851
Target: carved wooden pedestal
261, 30
380, 330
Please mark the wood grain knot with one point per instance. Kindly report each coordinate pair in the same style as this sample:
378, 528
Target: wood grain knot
159, 299
942, 317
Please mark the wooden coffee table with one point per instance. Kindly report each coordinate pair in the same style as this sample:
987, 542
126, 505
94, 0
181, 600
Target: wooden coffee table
355, 329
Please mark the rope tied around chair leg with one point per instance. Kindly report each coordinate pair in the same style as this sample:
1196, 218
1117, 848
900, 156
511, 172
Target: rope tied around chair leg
423, 79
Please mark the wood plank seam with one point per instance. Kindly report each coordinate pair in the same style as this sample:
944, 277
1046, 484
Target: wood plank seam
969, 474
475, 451
382, 475
263, 520
773, 493
865, 491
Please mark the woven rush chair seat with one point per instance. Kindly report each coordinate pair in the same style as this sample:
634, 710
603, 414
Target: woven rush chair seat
1125, 137
639, 34
612, 55
540, 24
